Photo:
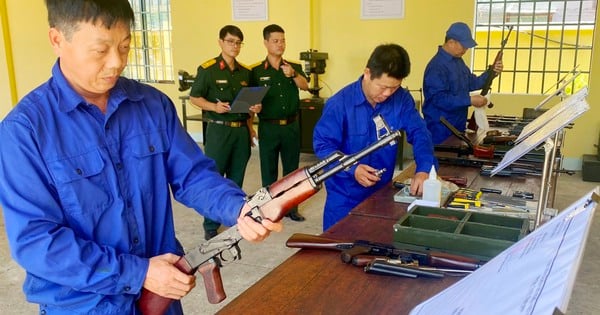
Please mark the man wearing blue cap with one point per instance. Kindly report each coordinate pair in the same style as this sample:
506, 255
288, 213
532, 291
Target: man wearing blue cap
448, 81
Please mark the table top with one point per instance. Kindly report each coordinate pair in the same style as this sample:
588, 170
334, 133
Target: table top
317, 282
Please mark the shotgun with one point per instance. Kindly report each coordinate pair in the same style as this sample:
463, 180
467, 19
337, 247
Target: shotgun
271, 202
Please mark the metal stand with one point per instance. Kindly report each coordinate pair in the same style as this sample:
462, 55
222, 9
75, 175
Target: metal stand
557, 160
548, 167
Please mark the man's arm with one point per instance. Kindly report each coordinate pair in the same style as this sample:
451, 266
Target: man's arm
420, 138
204, 104
42, 239
199, 92
300, 78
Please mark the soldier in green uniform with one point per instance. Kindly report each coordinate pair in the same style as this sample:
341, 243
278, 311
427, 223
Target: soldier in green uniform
228, 135
278, 127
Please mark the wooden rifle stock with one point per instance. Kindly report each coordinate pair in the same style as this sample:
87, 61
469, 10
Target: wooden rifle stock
300, 240
287, 193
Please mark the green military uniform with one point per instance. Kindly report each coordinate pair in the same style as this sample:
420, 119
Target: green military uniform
278, 127
227, 135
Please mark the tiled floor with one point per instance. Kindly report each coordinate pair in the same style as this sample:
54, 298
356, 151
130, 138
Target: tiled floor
259, 259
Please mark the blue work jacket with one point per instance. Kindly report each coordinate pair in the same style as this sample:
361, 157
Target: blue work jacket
447, 84
346, 125
86, 195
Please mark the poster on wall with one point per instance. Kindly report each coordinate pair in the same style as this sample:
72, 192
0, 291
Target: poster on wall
381, 9
249, 10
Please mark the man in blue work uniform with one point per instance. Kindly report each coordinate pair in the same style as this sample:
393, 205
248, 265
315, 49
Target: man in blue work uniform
228, 135
447, 84
278, 127
346, 125
88, 163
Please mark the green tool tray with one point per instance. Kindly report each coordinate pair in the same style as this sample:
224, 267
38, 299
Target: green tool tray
472, 234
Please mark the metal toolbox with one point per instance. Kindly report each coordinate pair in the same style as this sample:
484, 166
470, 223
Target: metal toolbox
472, 234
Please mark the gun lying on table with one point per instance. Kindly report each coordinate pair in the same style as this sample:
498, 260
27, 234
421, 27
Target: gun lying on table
358, 252
480, 151
271, 202
393, 267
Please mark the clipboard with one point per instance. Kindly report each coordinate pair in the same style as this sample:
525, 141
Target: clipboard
247, 97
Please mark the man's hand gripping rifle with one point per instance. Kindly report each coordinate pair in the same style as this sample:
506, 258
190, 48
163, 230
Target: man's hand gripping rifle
272, 202
491, 75
487, 86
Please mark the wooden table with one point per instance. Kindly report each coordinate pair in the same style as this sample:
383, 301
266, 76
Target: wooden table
318, 282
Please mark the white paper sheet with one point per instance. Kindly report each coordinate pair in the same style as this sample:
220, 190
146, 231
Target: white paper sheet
533, 276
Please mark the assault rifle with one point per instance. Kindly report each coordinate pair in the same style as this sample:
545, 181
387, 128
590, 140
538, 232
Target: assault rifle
354, 252
491, 75
271, 202
487, 86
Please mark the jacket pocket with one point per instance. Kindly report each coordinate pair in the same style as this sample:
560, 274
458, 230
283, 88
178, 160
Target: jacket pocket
80, 182
147, 159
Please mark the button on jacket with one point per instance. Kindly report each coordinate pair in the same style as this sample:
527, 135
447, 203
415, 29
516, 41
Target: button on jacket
346, 125
446, 85
90, 201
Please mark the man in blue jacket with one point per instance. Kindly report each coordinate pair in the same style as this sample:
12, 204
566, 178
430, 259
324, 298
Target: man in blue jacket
447, 84
346, 125
87, 164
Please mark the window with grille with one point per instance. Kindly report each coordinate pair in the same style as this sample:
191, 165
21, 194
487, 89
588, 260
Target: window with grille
150, 58
550, 40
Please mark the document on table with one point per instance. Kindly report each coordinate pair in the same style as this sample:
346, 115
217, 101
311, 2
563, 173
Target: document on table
533, 276
247, 97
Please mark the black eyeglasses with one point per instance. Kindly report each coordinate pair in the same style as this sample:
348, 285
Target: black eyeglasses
234, 43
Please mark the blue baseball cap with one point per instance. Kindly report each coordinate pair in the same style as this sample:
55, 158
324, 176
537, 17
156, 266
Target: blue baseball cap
461, 32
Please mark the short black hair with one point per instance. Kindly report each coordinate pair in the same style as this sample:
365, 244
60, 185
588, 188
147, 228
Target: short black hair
273, 28
233, 30
64, 15
390, 59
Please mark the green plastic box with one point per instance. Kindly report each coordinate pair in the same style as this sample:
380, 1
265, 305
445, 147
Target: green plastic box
472, 234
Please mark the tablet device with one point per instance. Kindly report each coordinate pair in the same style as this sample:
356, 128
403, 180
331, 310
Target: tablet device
247, 97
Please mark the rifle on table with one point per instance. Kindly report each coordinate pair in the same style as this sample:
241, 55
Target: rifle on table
480, 151
393, 267
271, 202
361, 252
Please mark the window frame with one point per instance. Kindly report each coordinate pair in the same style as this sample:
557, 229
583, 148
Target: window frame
529, 63
151, 56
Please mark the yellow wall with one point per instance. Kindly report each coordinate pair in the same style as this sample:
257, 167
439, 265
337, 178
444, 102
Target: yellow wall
336, 29
5, 95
